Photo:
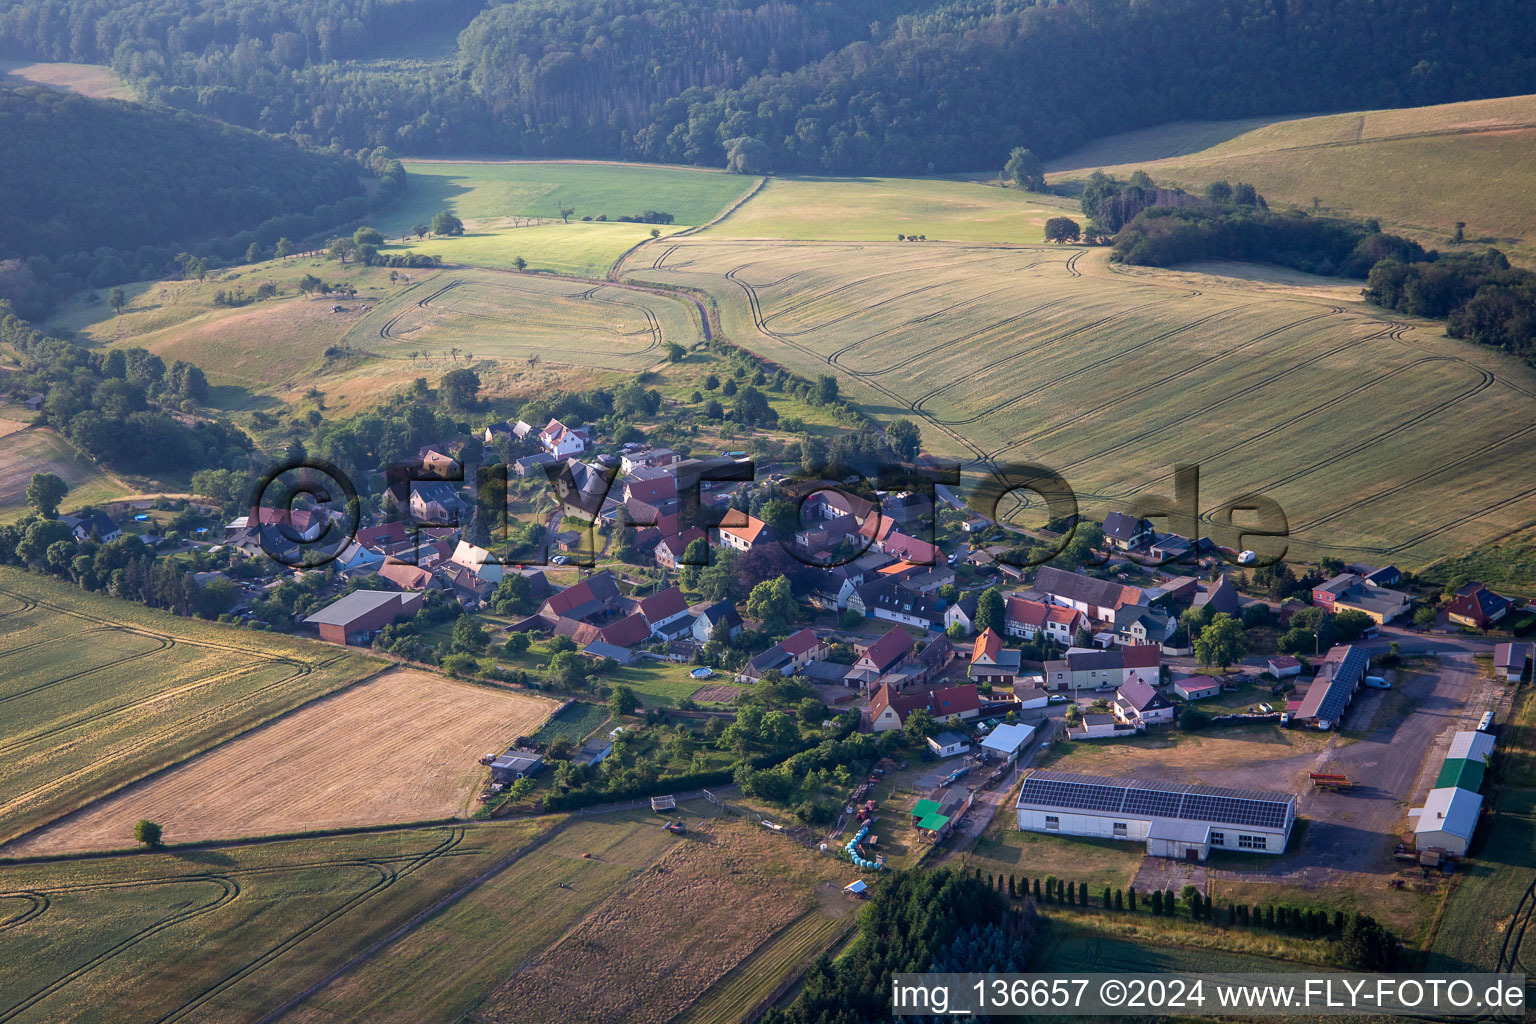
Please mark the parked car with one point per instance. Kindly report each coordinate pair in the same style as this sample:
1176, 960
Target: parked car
1057, 698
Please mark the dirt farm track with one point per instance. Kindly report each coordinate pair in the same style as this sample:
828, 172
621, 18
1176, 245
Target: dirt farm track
400, 747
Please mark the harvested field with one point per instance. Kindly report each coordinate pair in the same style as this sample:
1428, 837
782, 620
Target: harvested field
99, 693
1049, 355
673, 932
223, 934
500, 316
400, 747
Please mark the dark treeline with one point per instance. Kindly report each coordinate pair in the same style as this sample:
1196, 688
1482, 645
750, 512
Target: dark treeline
1482, 298
100, 193
876, 85
119, 406
1479, 295
917, 921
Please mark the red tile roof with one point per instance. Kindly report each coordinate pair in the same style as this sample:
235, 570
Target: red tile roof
1026, 612
663, 605
749, 532
988, 644
628, 631
800, 642
1142, 656
889, 649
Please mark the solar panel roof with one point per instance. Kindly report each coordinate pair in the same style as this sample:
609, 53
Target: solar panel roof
1151, 799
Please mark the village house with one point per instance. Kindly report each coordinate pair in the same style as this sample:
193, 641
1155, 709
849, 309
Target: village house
889, 708
1138, 703
409, 577
1024, 618
96, 524
895, 603
1348, 592
593, 598
788, 656
666, 613
743, 538
991, 662
709, 618
1138, 624
670, 550
648, 458
479, 561
532, 466
1127, 533
876, 659
1476, 606
466, 586
435, 501
561, 441
1084, 669
1098, 599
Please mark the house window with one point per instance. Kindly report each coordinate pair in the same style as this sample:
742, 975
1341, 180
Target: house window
1252, 842
1052, 821
1218, 839
1119, 830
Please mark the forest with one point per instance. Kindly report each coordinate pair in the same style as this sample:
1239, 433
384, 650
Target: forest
99, 193
892, 86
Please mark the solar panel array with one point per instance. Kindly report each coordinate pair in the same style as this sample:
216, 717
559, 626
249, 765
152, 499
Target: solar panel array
1255, 808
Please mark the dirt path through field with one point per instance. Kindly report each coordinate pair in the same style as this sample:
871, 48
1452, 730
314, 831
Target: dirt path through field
401, 747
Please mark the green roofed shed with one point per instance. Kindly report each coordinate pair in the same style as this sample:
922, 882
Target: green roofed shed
1461, 773
933, 822
923, 808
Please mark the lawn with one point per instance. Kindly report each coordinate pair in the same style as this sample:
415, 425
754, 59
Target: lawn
223, 933
1419, 170
879, 209
1053, 356
99, 693
577, 249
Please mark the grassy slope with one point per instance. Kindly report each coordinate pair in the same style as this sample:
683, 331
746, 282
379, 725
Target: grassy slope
39, 450
99, 693
494, 197
1418, 170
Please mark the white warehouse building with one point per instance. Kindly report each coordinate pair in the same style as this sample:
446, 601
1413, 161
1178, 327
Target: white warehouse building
1175, 820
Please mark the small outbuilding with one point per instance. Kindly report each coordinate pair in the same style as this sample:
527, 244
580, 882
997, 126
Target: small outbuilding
1197, 687
1006, 741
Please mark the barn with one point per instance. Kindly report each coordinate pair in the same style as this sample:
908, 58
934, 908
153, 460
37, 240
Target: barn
1175, 820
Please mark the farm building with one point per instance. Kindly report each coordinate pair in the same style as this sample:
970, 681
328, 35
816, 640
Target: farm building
1447, 820
948, 744
1007, 740
1461, 773
1342, 672
1283, 666
516, 764
1473, 746
1186, 822
1093, 727
362, 612
1196, 687
1510, 660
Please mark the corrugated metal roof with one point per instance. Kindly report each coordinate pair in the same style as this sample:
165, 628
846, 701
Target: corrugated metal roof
1473, 746
1450, 810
